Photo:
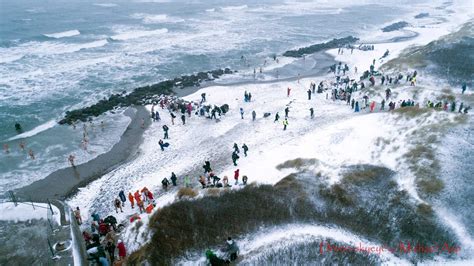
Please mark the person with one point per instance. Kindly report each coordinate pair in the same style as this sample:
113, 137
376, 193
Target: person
309, 94
183, 119
288, 90
18, 127
202, 180
150, 197
214, 260
235, 157
355, 70
372, 106
245, 148
71, 160
122, 197
173, 116
163, 145
287, 110
244, 180
77, 214
32, 155
460, 107
22, 145
225, 181
356, 109
203, 97
236, 148
215, 180
173, 178
207, 167
165, 183
236, 176
382, 104
232, 249
130, 198
165, 130
122, 252
110, 247
187, 183
464, 87
242, 112
277, 116
311, 110
141, 206
285, 123
254, 115
250, 97
157, 116
117, 205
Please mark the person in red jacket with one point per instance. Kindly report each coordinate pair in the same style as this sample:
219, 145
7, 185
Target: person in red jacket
103, 228
121, 250
150, 197
130, 198
236, 176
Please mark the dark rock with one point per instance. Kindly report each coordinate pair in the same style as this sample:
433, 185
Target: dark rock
141, 95
395, 26
335, 43
422, 15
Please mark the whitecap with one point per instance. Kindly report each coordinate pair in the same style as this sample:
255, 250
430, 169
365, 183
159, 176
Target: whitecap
105, 4
158, 18
34, 131
63, 34
230, 8
137, 34
12, 54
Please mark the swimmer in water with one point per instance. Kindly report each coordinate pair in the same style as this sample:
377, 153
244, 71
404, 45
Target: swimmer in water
31, 154
22, 145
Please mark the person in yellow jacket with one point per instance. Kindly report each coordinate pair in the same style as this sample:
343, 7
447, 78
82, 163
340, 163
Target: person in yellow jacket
285, 123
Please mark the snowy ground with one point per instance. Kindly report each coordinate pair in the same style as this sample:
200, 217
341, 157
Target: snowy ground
335, 137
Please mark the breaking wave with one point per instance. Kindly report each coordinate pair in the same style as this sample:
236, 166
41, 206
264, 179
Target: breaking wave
63, 34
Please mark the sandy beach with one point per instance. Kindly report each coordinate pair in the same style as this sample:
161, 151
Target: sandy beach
65, 182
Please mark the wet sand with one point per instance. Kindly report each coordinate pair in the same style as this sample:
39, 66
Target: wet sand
65, 182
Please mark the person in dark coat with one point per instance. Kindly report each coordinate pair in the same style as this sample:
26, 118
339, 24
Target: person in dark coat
123, 198
311, 111
309, 94
245, 148
165, 182
165, 130
232, 249
287, 110
277, 117
254, 115
236, 148
173, 178
235, 157
183, 118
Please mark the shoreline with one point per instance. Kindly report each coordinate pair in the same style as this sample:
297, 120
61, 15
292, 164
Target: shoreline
65, 182
323, 62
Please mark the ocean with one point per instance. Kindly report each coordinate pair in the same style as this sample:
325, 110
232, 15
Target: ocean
59, 55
